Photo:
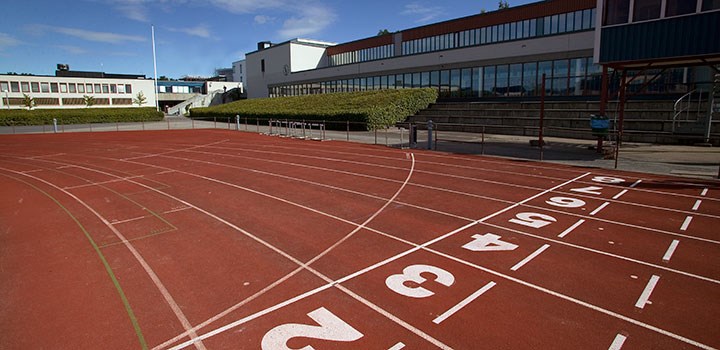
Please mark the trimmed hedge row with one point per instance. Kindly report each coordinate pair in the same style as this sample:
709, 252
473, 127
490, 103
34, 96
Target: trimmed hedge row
376, 109
78, 116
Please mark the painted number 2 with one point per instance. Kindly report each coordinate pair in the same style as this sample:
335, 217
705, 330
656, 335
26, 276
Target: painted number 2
330, 328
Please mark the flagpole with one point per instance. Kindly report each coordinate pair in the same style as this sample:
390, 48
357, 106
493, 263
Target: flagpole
157, 105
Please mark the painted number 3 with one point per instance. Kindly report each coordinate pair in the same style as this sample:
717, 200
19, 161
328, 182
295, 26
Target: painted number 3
399, 283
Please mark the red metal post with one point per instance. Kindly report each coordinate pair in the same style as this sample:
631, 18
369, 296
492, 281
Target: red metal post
603, 102
621, 115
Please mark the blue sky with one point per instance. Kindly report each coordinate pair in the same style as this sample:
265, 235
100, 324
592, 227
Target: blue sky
193, 37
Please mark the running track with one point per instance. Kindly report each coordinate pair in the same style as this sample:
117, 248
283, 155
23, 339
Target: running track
229, 240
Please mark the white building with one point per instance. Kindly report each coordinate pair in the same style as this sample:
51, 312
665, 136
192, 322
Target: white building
239, 72
69, 92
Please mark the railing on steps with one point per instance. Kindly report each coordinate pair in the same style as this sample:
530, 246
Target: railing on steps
683, 105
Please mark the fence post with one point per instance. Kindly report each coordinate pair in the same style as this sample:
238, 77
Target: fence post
168, 124
257, 123
482, 141
542, 116
192, 123
376, 135
237, 122
348, 129
215, 122
55, 125
246, 123
143, 125
430, 134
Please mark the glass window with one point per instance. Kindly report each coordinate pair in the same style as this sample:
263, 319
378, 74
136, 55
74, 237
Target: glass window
14, 86
560, 77
384, 82
4, 86
435, 79
513, 31
407, 80
71, 88
444, 83
562, 20
578, 20
97, 88
105, 89
530, 78
81, 88
679, 7
554, 21
646, 9
35, 86
489, 81
546, 25
425, 79
455, 83
476, 81
570, 21
501, 32
616, 12
44, 87
577, 76
494, 34
501, 80
544, 67
121, 88
506, 32
482, 36
533, 28
25, 86
515, 80
416, 80
588, 19
708, 5
113, 89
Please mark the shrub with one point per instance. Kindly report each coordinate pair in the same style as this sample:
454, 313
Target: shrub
78, 116
375, 109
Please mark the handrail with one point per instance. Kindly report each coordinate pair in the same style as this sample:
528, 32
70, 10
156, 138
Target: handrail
677, 112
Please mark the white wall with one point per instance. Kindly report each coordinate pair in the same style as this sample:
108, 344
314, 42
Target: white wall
239, 72
276, 58
146, 86
219, 85
304, 57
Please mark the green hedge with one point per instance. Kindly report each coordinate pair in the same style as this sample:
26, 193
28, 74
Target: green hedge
373, 109
78, 116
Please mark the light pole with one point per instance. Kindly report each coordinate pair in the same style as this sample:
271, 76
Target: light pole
7, 99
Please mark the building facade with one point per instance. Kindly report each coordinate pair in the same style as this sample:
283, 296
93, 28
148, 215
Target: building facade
498, 54
70, 91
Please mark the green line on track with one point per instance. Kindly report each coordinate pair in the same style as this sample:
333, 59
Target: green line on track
108, 269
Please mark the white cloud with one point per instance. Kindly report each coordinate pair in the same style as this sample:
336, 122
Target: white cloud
262, 19
7, 41
201, 31
309, 20
425, 13
248, 6
71, 49
103, 37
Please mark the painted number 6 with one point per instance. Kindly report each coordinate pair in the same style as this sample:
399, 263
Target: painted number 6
412, 274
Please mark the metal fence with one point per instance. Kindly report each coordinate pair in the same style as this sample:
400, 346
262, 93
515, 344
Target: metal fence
516, 142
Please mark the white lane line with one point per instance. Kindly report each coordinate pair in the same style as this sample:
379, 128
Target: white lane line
530, 257
103, 182
464, 303
31, 171
704, 192
601, 207
618, 342
147, 216
620, 194
571, 228
671, 250
635, 184
398, 346
643, 300
686, 223
697, 204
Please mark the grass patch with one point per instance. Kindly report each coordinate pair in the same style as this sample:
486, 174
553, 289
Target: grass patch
369, 109
20, 117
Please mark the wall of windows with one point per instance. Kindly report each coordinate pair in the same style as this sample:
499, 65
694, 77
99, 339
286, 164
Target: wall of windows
564, 77
618, 11
548, 25
369, 54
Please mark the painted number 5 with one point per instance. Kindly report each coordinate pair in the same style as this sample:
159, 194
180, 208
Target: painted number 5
330, 327
412, 274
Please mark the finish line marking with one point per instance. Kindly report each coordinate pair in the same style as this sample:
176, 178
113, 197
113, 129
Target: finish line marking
697, 204
643, 300
571, 228
635, 184
618, 342
463, 303
704, 192
398, 346
671, 250
620, 194
530, 257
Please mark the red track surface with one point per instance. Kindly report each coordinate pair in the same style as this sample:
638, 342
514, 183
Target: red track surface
228, 240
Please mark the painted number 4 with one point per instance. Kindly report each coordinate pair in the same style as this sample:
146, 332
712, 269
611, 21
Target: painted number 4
488, 243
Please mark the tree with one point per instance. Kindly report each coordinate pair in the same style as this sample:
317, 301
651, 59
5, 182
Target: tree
28, 101
140, 99
89, 100
503, 5
383, 32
